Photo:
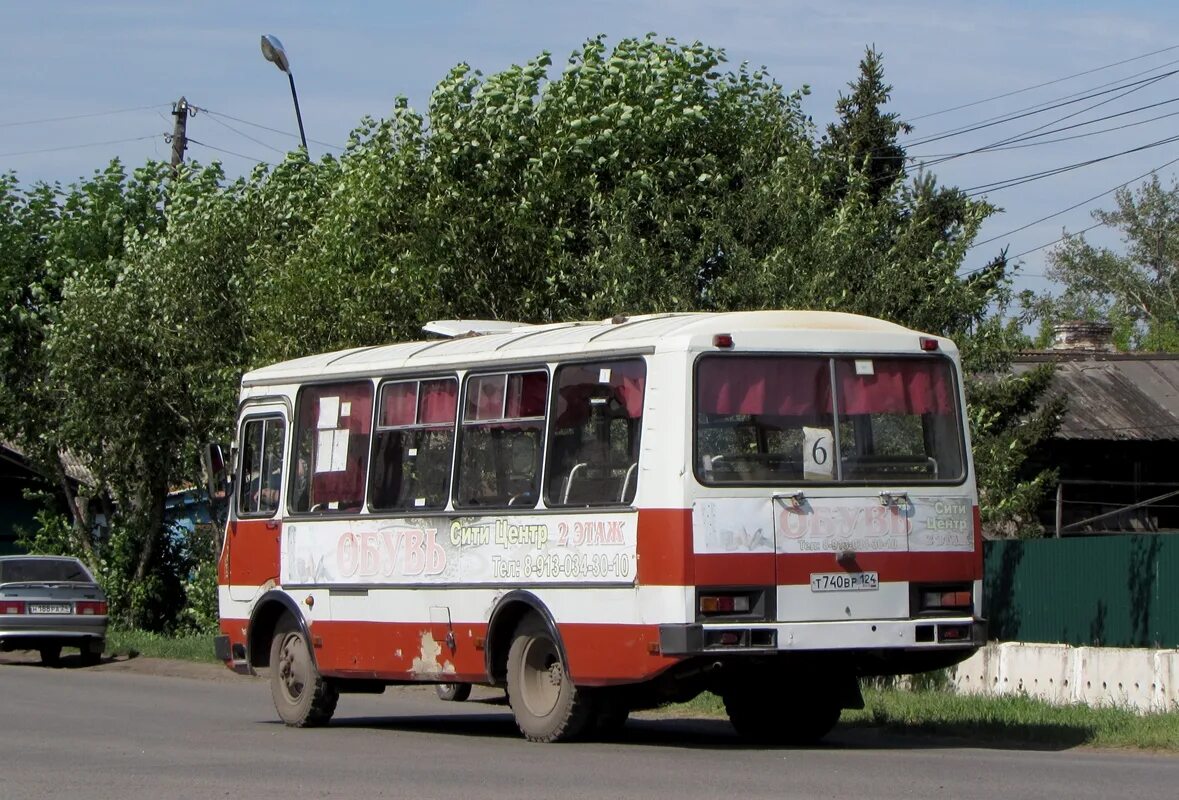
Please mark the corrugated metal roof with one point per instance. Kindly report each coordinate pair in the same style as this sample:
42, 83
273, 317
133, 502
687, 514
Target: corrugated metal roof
1114, 396
621, 333
74, 468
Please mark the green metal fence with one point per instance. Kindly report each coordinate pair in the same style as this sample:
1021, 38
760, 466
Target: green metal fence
1117, 591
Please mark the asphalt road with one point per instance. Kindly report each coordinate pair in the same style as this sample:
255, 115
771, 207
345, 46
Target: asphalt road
135, 731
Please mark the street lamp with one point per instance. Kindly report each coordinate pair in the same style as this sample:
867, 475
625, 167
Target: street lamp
273, 51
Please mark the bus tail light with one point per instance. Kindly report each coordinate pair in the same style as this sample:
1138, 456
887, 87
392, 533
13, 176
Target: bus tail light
951, 599
90, 608
723, 340
12, 607
724, 604
928, 344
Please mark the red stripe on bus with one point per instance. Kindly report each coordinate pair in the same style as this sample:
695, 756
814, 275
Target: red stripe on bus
735, 569
796, 568
599, 654
665, 547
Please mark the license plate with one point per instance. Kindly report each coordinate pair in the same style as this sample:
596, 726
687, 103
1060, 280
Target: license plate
844, 581
50, 608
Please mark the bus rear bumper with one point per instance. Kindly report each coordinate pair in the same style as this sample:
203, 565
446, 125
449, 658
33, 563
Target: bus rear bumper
943, 633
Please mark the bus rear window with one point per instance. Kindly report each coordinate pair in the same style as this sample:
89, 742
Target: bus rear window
794, 419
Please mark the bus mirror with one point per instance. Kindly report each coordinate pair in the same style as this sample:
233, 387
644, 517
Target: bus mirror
216, 474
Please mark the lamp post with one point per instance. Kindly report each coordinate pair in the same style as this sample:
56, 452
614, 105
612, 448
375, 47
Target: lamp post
273, 51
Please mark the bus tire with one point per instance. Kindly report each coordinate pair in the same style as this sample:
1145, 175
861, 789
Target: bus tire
302, 697
547, 706
778, 717
453, 692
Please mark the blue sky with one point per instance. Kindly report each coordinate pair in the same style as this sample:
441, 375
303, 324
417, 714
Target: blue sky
352, 58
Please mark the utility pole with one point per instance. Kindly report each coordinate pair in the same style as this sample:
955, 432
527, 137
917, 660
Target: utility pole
180, 110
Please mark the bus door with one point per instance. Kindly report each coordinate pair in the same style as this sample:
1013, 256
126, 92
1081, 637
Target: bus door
255, 523
842, 557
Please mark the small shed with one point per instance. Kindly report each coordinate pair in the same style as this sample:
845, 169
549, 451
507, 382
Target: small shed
1116, 447
17, 476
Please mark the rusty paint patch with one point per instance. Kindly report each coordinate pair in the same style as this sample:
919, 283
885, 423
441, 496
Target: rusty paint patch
427, 663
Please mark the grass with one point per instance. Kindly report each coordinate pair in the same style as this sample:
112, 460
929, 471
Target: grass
189, 647
1014, 720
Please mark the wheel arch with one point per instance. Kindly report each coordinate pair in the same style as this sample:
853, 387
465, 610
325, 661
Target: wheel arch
269, 609
505, 617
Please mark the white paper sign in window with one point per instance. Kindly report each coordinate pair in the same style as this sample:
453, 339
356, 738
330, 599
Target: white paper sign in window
818, 454
329, 412
331, 451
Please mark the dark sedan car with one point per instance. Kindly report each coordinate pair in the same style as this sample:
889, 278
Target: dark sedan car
51, 602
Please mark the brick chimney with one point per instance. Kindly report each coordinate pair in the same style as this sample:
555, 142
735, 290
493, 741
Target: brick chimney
1082, 336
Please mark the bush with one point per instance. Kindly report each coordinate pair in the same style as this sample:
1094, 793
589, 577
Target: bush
178, 592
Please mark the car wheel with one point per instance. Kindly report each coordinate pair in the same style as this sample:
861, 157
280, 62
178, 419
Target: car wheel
51, 655
453, 692
302, 697
547, 705
89, 657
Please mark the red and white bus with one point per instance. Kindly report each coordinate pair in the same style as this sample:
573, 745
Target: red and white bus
607, 516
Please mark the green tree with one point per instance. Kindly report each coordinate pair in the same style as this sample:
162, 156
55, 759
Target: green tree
1136, 289
864, 137
643, 177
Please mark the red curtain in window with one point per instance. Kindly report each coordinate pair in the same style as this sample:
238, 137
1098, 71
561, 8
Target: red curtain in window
399, 403
577, 384
778, 386
896, 386
438, 402
527, 393
485, 398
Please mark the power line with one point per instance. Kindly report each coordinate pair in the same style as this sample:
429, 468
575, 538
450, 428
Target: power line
1019, 145
228, 152
1116, 84
268, 128
1033, 249
1007, 183
78, 146
81, 116
1042, 85
1077, 205
246, 135
1032, 112
1038, 132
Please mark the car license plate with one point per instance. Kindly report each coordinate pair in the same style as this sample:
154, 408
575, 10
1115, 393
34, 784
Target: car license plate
844, 581
50, 608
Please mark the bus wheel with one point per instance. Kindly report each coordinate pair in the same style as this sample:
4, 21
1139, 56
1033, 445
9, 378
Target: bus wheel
777, 717
453, 692
303, 698
546, 704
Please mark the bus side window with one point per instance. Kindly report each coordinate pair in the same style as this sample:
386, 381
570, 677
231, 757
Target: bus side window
262, 440
414, 444
594, 446
332, 432
502, 434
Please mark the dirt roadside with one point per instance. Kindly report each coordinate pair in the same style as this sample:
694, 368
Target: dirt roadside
140, 665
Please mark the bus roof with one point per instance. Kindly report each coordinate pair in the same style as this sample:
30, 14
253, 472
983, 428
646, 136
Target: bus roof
813, 330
